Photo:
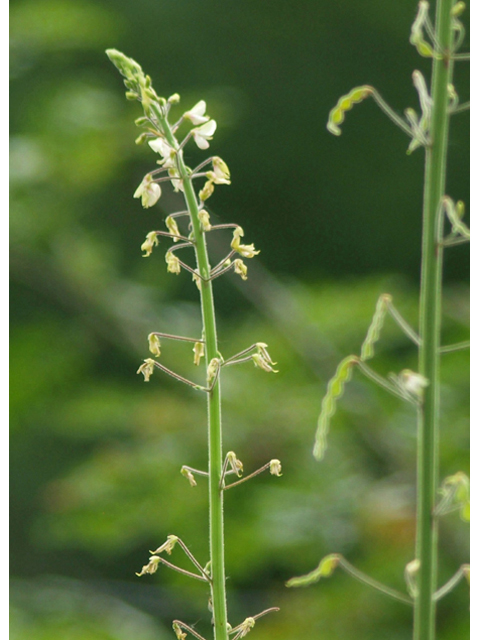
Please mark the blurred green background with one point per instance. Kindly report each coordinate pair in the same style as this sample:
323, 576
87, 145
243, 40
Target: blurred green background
95, 453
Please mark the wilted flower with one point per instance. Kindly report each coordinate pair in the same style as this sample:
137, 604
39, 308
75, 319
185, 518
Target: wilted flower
275, 467
246, 626
199, 352
147, 368
172, 227
205, 132
154, 344
235, 463
189, 475
151, 567
207, 191
245, 250
173, 263
212, 369
150, 242
167, 546
204, 218
240, 268
413, 382
148, 191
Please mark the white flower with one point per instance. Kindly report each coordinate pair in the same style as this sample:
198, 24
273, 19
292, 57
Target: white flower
159, 145
148, 191
204, 133
197, 113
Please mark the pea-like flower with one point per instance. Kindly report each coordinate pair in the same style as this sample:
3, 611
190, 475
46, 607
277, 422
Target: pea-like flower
148, 191
159, 145
202, 134
197, 113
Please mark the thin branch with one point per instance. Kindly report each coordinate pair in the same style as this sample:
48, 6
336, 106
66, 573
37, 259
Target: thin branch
403, 324
458, 346
179, 377
452, 583
378, 379
362, 577
190, 574
251, 475
173, 337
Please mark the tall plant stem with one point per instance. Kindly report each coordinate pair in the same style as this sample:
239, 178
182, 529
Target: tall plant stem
430, 326
217, 556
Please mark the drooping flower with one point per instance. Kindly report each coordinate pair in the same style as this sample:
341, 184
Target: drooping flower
150, 242
151, 567
198, 352
185, 471
147, 368
154, 344
221, 171
245, 250
167, 546
197, 113
241, 268
172, 226
202, 134
204, 218
148, 191
207, 191
173, 263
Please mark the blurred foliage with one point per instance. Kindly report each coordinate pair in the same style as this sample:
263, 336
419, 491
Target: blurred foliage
95, 453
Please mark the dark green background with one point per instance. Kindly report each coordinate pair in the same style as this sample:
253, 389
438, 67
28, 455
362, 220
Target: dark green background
95, 454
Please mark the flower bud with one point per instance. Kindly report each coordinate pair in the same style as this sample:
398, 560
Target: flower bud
207, 191
235, 464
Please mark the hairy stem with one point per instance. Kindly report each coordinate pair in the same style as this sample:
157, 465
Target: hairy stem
215, 456
430, 324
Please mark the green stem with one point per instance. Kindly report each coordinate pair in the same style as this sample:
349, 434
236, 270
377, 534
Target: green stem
217, 557
430, 325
